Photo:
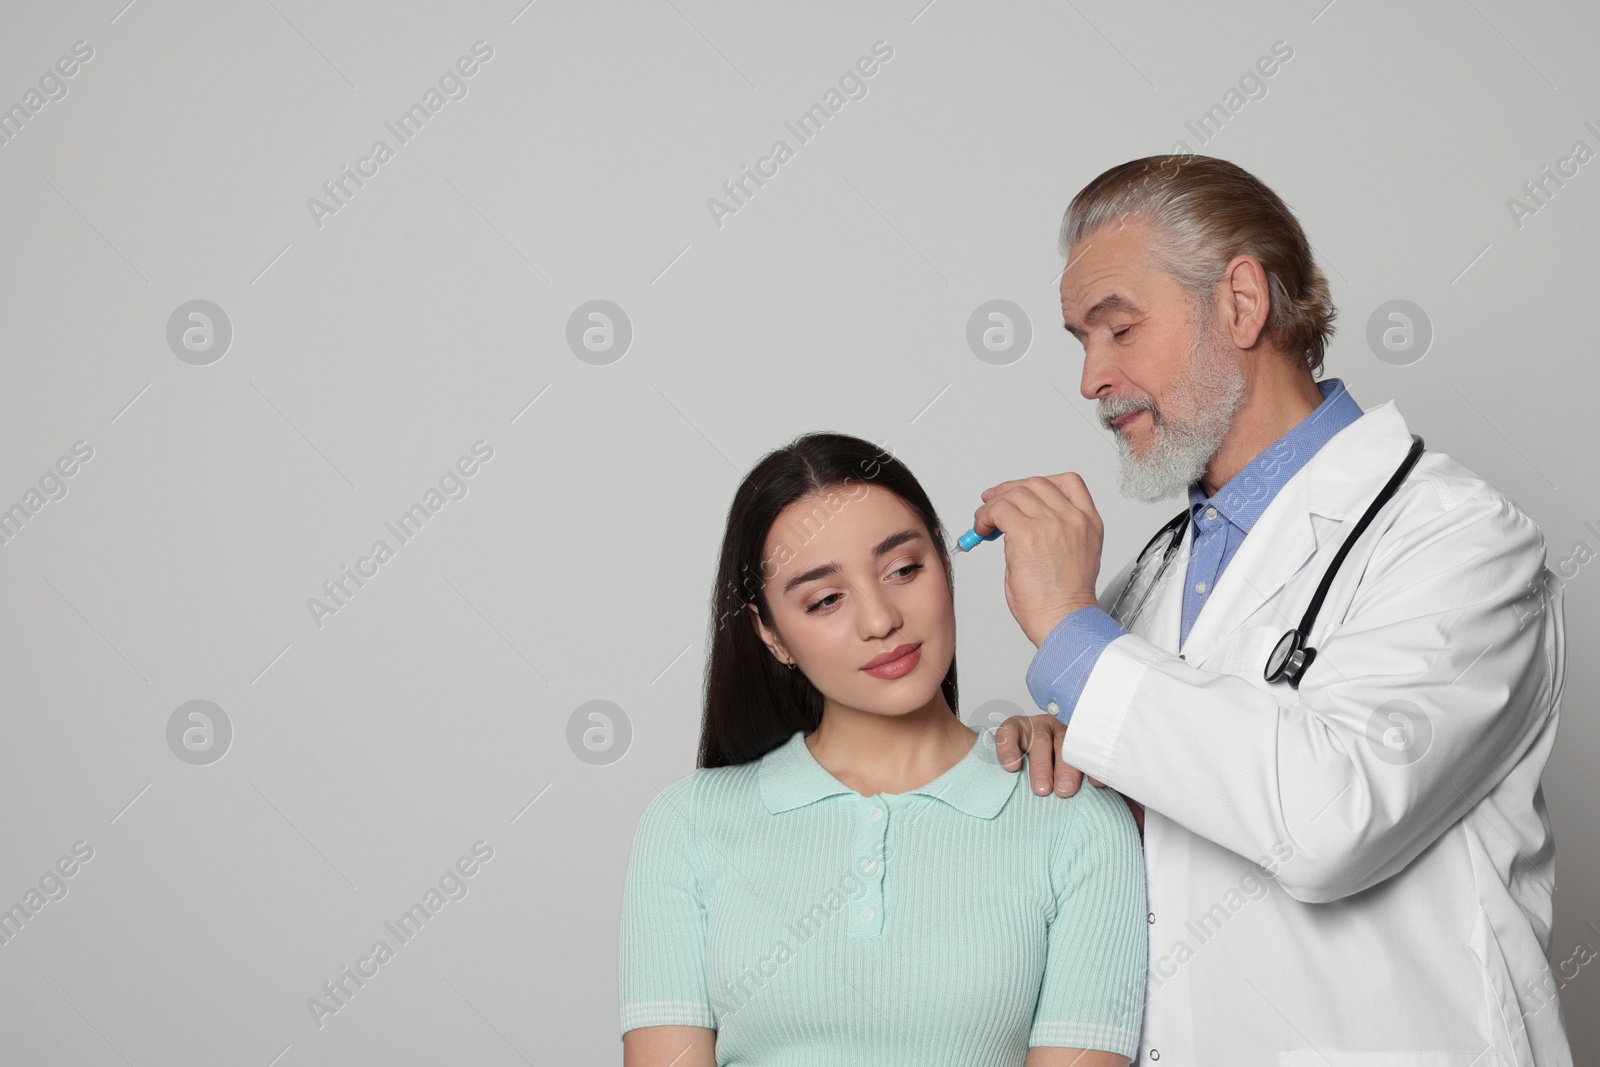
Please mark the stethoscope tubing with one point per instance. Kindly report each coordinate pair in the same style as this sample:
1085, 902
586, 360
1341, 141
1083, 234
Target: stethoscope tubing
1175, 528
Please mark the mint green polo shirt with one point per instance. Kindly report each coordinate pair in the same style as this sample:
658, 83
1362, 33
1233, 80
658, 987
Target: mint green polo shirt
960, 923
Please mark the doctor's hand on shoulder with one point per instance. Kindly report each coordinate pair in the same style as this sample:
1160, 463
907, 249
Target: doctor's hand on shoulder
1053, 537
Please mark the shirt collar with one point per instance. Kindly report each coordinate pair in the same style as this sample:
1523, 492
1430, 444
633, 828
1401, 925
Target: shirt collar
790, 777
1247, 494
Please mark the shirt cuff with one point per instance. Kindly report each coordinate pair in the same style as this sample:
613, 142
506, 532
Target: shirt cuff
1061, 667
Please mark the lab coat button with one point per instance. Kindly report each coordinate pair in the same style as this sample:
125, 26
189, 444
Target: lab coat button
1155, 1054
1150, 918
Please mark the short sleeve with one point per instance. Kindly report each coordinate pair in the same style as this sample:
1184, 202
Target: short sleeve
661, 947
1093, 990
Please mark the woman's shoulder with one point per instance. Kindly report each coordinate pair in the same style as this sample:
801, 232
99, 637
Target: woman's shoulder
704, 791
1091, 831
1093, 811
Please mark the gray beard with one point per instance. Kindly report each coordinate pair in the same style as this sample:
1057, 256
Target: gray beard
1198, 413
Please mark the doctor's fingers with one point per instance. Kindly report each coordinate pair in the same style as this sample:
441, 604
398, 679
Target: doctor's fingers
1069, 778
1022, 502
1070, 485
1067, 486
1040, 737
1001, 513
1053, 546
1042, 497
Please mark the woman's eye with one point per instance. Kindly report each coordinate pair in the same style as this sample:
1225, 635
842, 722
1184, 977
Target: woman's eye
825, 601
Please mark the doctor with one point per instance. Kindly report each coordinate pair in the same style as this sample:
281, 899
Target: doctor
1350, 864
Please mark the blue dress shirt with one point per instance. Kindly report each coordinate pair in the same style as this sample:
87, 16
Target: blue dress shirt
1060, 668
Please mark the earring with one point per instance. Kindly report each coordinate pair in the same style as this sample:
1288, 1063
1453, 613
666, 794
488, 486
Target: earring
791, 665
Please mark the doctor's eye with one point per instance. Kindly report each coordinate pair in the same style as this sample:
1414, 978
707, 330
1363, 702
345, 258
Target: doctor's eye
1119, 333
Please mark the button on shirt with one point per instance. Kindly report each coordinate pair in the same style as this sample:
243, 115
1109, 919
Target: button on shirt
958, 923
1062, 665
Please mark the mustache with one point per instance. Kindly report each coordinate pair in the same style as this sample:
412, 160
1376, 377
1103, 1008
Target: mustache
1114, 407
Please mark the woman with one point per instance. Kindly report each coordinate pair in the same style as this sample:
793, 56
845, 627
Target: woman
850, 877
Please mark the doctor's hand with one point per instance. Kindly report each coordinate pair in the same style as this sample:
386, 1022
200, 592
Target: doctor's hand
1052, 543
1040, 737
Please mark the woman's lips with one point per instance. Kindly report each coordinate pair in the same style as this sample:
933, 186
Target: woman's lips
896, 663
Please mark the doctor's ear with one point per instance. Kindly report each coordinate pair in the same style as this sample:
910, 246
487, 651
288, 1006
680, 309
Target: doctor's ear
1247, 300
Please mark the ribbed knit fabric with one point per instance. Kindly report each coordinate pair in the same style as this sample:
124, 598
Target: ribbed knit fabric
960, 923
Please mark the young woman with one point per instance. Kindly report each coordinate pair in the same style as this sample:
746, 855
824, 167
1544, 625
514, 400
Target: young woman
850, 877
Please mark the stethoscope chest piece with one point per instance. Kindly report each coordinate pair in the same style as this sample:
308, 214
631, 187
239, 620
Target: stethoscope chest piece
1289, 659
1290, 656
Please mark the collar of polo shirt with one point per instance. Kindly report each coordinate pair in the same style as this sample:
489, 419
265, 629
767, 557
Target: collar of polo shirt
790, 777
1248, 492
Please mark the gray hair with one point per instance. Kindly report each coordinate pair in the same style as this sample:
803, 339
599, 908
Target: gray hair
1202, 212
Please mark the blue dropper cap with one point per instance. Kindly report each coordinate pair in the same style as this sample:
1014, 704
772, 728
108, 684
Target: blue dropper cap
972, 539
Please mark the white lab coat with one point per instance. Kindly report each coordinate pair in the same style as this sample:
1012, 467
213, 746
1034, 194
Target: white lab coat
1322, 897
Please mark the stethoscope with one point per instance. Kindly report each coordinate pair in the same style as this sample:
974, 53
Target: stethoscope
1291, 655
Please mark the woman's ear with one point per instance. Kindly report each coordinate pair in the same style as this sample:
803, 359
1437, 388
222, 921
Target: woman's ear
769, 638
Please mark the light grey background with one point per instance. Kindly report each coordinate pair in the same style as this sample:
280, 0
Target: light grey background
431, 311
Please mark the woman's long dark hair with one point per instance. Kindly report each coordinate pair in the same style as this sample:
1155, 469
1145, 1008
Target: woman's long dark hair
753, 703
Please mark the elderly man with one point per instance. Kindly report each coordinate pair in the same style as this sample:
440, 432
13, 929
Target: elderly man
1348, 852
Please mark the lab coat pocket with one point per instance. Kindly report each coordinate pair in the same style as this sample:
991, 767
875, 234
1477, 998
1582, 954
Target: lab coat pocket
1244, 653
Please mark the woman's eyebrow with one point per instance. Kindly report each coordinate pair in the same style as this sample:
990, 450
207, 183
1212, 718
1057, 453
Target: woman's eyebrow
888, 544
